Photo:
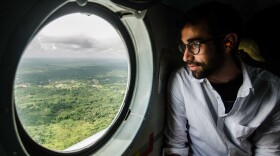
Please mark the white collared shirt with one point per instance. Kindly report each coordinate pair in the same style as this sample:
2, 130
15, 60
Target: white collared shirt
196, 119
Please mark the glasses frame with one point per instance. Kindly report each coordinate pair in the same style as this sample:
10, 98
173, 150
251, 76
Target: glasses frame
196, 45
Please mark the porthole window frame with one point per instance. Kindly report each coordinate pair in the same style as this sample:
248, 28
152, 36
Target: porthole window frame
63, 9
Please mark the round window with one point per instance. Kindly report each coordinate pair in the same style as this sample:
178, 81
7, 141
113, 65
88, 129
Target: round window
71, 82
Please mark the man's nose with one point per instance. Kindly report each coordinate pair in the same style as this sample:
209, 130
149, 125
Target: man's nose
187, 56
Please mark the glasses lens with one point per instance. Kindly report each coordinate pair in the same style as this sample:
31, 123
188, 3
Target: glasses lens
182, 47
194, 47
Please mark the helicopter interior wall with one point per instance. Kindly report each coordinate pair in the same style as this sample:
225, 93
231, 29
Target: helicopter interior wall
164, 35
246, 8
12, 15
264, 30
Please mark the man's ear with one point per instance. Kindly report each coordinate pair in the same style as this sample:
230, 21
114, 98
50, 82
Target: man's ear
230, 41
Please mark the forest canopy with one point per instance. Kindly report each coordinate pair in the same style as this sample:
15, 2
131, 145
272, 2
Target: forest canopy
61, 102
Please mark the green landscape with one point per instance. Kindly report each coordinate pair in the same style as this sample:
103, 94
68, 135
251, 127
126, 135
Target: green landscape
61, 102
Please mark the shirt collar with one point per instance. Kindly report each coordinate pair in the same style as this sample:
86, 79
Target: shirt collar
247, 83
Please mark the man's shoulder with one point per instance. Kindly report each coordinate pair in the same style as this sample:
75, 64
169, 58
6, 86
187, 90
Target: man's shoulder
182, 73
177, 71
262, 74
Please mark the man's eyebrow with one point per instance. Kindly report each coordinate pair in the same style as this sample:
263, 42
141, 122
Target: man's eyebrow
194, 39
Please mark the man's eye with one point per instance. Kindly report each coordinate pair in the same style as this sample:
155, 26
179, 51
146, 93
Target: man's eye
195, 44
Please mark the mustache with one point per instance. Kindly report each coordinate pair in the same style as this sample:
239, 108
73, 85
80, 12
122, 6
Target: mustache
193, 63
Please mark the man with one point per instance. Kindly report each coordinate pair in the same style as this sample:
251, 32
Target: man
218, 105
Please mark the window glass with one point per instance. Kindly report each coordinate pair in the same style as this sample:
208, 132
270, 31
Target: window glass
71, 81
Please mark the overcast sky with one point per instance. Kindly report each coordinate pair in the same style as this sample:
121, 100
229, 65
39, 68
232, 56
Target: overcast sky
77, 35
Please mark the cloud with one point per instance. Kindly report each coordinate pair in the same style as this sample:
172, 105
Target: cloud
79, 45
88, 36
70, 42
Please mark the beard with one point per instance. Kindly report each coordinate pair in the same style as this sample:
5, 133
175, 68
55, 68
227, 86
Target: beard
208, 67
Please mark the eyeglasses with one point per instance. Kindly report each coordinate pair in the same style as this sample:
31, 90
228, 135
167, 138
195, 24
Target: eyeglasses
194, 46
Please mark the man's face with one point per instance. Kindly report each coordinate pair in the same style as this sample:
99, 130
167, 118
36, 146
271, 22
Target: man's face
210, 56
